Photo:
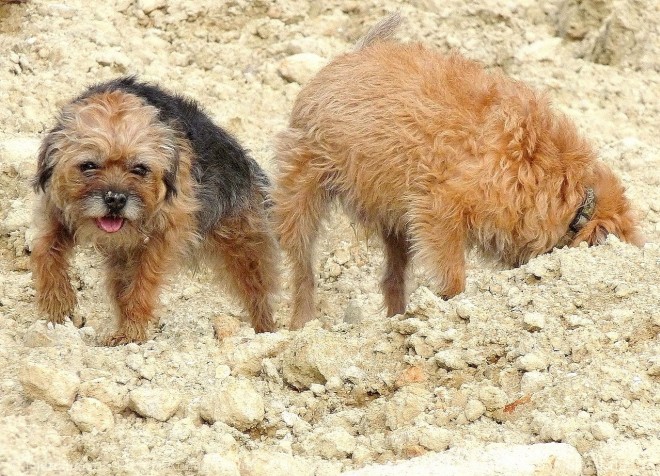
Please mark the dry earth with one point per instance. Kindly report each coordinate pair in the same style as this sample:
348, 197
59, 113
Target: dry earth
564, 350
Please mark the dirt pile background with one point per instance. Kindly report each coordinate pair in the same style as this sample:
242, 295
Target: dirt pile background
564, 349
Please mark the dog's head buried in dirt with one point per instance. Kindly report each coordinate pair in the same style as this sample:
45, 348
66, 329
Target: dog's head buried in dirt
112, 167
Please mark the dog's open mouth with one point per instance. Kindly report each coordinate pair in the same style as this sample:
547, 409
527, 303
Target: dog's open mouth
110, 224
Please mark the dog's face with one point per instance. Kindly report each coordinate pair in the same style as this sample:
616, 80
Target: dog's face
108, 166
613, 213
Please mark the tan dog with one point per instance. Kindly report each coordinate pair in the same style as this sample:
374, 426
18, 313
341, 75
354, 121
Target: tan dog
436, 155
147, 179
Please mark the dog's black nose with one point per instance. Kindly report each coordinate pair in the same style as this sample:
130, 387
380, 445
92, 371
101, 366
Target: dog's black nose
114, 200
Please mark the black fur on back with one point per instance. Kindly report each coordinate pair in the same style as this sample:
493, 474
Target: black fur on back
226, 174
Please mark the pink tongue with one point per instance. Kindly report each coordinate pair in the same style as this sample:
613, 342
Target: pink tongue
110, 224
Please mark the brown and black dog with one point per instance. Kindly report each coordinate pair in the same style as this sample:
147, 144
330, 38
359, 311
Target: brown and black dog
149, 180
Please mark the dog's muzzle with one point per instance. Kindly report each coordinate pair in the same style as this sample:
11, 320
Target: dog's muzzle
115, 201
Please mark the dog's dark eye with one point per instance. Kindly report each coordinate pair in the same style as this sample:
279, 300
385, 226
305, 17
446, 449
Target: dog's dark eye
140, 170
88, 166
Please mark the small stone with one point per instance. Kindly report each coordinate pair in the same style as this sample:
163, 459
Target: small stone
334, 270
603, 430
148, 6
465, 310
450, 359
317, 389
334, 384
52, 385
342, 256
406, 404
222, 372
541, 50
533, 321
267, 463
532, 361
415, 440
155, 403
336, 443
90, 414
214, 464
474, 409
235, 402
493, 398
301, 67
132, 347
533, 381
353, 313
111, 393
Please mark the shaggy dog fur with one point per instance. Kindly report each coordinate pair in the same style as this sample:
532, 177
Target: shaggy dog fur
436, 155
147, 179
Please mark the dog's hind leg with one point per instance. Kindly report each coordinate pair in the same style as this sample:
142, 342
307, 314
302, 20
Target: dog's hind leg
299, 206
246, 250
393, 284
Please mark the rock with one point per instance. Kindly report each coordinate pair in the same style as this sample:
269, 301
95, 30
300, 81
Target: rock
532, 361
235, 402
214, 464
114, 58
159, 404
546, 49
424, 303
50, 384
406, 404
549, 459
533, 321
474, 409
18, 156
40, 334
621, 457
19, 217
315, 356
301, 67
533, 381
603, 430
353, 313
465, 309
267, 463
111, 393
336, 443
411, 441
90, 414
246, 358
493, 398
450, 359
148, 6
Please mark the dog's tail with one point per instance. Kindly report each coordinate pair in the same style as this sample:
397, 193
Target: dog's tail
382, 30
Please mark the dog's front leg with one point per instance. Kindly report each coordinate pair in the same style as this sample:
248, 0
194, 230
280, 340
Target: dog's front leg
439, 241
50, 270
135, 279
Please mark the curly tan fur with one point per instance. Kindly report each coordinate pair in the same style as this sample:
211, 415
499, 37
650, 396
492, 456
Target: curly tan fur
436, 155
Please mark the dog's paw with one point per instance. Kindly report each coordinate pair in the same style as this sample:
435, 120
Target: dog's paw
125, 335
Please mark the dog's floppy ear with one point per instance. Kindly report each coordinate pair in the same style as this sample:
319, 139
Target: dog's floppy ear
169, 179
170, 184
46, 160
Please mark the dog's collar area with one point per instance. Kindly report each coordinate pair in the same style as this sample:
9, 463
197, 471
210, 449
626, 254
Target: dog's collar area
582, 217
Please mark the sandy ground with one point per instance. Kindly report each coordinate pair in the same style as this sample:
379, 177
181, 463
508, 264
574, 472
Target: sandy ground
563, 350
